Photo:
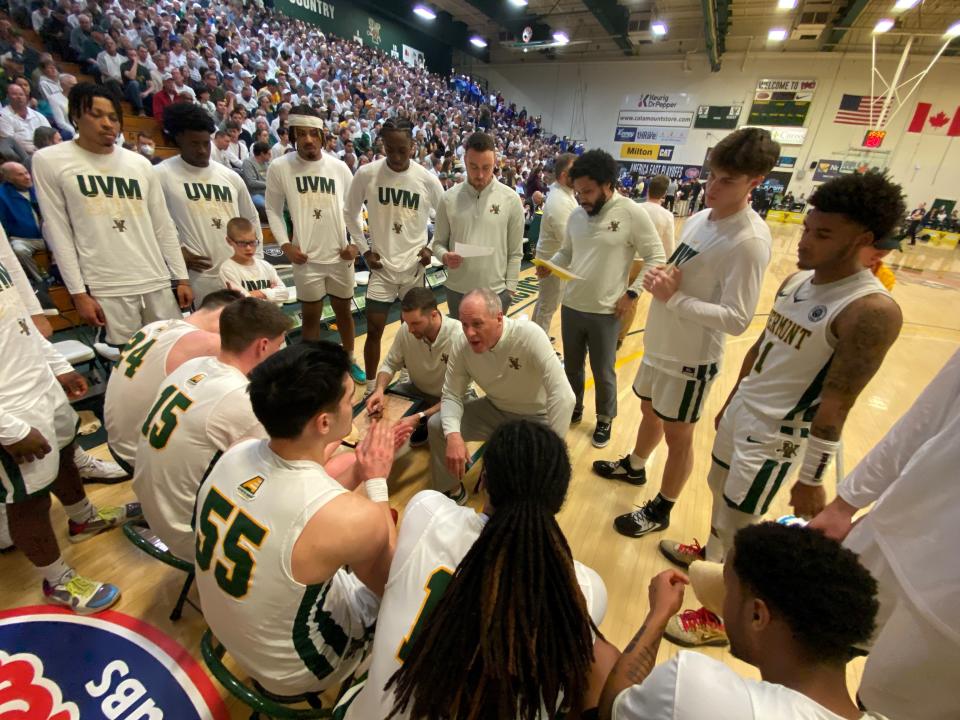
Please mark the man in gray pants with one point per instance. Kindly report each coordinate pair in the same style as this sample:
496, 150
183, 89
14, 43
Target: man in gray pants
514, 364
603, 236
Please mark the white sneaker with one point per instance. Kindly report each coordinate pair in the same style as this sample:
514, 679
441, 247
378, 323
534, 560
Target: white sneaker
95, 470
6, 542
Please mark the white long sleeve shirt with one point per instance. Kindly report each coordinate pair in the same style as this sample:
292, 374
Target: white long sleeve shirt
106, 220
259, 275
425, 361
722, 265
600, 249
491, 218
314, 193
553, 225
28, 364
21, 129
521, 374
398, 209
912, 474
202, 201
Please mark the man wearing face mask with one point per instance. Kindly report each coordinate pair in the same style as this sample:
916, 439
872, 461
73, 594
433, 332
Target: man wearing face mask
602, 237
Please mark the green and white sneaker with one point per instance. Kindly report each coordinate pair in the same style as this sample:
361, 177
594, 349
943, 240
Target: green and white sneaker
80, 594
105, 519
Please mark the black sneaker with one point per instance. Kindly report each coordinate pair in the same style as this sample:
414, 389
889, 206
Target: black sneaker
576, 417
459, 496
620, 470
640, 522
419, 436
601, 434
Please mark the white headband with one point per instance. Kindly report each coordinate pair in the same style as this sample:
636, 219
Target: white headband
306, 121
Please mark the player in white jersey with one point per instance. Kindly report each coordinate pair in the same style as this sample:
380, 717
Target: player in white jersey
37, 429
400, 196
202, 196
827, 334
105, 219
151, 354
796, 602
475, 589
201, 410
708, 290
275, 532
244, 271
313, 187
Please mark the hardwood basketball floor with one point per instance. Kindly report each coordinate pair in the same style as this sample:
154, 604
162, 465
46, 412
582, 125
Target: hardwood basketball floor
928, 279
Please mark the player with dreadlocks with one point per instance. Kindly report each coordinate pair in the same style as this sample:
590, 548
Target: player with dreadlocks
480, 591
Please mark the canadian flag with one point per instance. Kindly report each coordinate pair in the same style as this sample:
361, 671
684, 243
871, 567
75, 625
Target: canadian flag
935, 121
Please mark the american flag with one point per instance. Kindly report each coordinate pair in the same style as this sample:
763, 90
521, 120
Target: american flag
855, 110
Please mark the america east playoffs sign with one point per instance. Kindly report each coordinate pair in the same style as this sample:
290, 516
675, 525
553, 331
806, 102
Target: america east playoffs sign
55, 665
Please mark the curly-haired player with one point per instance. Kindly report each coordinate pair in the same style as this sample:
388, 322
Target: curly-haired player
830, 328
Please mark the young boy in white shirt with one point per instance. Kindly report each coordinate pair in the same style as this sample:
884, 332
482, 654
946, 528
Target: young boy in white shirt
252, 276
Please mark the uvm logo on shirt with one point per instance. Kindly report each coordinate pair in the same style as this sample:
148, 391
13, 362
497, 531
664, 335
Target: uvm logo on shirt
398, 197
495, 209
444, 358
514, 363
397, 228
613, 226
109, 186
250, 487
316, 184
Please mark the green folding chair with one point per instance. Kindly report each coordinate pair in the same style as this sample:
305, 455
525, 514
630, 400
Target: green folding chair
140, 534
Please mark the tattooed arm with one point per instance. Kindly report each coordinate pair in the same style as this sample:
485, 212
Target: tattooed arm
640, 655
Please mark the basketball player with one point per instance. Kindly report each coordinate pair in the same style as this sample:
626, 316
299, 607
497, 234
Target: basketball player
663, 221
514, 364
422, 346
202, 196
399, 196
148, 357
709, 289
202, 410
105, 219
313, 186
487, 216
827, 334
37, 430
602, 237
302, 622
796, 603
561, 201
515, 552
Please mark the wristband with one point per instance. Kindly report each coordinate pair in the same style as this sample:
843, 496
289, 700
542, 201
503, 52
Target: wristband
376, 489
817, 458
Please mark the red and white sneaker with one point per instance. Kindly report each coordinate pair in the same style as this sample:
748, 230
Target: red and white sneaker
680, 554
696, 628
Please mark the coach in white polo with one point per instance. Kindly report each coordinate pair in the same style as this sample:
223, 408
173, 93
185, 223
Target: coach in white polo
484, 213
515, 366
560, 203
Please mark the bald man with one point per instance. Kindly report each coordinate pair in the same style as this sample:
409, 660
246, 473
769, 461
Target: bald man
20, 216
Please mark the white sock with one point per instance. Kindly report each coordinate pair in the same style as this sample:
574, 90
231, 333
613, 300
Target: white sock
82, 511
637, 462
55, 571
371, 385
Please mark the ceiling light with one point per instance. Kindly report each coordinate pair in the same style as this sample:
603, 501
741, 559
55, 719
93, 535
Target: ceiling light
777, 35
905, 4
561, 37
519, 3
786, 4
425, 11
658, 28
883, 25
478, 41
953, 31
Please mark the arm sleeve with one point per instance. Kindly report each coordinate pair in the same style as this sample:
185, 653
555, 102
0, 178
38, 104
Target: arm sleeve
12, 428
646, 242
435, 192
653, 699
441, 230
394, 361
353, 210
229, 278
886, 461
547, 231
277, 292
560, 397
57, 362
514, 245
564, 256
738, 296
57, 229
274, 201
9, 260
249, 211
164, 229
455, 384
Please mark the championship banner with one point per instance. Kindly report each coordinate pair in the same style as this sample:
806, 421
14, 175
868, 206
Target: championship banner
412, 57
718, 117
782, 102
57, 665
